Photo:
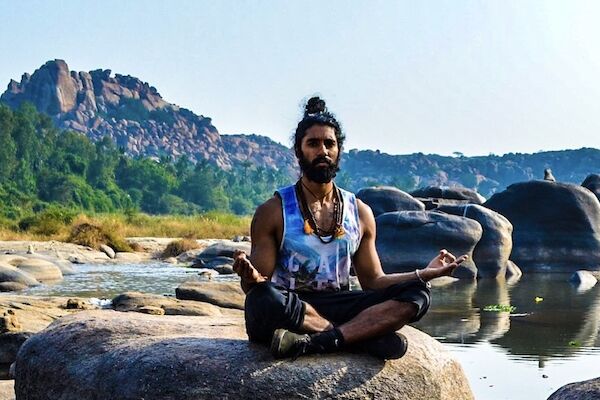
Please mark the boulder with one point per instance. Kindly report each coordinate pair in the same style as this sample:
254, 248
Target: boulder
11, 274
384, 199
513, 272
583, 390
41, 270
125, 257
222, 294
12, 259
10, 343
592, 183
584, 280
108, 251
7, 390
223, 249
410, 239
449, 193
109, 355
65, 266
12, 286
219, 264
493, 249
134, 301
556, 226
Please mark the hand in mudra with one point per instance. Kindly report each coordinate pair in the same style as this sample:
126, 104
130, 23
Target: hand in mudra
443, 264
244, 268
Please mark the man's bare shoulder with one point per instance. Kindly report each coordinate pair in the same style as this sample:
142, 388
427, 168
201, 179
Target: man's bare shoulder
268, 214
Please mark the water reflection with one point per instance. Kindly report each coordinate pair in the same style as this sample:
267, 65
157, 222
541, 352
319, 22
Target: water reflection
564, 323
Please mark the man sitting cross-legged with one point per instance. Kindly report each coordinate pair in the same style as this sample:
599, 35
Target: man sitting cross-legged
305, 239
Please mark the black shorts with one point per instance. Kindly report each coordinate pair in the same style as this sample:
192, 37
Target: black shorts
268, 307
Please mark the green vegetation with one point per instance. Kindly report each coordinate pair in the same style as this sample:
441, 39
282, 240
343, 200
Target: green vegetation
49, 177
500, 308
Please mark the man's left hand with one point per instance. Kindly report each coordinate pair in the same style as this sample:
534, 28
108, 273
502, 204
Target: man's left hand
442, 265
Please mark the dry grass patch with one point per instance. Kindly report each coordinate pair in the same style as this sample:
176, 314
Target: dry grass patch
92, 235
177, 247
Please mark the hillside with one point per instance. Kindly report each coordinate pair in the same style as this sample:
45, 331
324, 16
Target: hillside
135, 117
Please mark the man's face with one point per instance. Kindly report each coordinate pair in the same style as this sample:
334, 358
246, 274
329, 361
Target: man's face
319, 154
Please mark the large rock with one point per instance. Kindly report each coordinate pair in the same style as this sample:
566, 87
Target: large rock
585, 390
12, 276
135, 301
384, 199
556, 226
592, 183
226, 248
222, 294
449, 193
493, 249
42, 270
109, 355
410, 239
7, 390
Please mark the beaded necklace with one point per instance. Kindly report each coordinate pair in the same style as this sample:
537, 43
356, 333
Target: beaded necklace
336, 230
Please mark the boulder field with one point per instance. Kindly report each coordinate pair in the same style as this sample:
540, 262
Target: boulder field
108, 354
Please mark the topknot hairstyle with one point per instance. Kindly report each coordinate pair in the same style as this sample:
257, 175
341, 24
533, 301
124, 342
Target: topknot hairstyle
316, 113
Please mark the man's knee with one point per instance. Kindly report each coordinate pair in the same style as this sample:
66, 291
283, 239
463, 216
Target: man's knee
268, 308
417, 296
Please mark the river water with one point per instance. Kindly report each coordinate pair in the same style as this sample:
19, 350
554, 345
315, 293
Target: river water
551, 337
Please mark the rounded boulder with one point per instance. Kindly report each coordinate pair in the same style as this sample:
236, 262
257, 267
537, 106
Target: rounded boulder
42, 270
592, 183
556, 226
410, 239
493, 249
449, 193
109, 355
384, 199
11, 274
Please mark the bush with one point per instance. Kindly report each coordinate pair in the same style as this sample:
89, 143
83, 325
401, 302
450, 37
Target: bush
177, 247
92, 235
48, 222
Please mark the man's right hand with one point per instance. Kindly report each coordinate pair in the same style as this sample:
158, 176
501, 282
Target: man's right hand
244, 268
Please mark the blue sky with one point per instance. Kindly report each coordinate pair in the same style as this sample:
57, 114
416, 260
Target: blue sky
475, 77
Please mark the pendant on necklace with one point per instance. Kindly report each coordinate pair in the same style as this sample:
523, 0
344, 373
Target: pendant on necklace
307, 228
340, 232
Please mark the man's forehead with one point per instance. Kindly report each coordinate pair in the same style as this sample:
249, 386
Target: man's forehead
320, 132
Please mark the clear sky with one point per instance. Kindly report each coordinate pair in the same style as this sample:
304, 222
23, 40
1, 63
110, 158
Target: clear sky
475, 77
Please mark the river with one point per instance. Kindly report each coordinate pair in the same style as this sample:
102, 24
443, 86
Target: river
551, 337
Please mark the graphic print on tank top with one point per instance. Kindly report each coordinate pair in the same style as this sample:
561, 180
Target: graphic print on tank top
304, 263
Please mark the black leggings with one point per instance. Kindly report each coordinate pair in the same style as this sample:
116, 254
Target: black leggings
269, 307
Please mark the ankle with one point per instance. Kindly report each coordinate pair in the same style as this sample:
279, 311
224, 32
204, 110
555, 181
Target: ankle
328, 341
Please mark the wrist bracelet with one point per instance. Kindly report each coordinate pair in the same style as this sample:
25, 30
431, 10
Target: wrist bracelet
419, 276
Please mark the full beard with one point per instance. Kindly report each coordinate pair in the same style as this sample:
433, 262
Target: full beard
318, 174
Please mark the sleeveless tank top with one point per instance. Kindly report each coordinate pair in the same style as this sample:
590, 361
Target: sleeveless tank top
304, 263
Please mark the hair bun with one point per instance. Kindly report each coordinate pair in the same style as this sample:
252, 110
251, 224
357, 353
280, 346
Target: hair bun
315, 105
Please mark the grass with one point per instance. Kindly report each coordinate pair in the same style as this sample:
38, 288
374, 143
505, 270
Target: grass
212, 225
177, 247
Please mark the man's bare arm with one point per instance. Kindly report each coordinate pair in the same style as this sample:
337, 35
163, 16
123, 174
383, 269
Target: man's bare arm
266, 228
368, 267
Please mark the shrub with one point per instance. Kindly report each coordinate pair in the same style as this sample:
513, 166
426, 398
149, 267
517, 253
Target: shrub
177, 247
92, 235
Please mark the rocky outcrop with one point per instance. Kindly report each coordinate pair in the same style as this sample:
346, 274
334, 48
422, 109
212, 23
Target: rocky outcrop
104, 354
592, 183
384, 199
449, 193
493, 249
7, 390
410, 239
556, 226
222, 294
135, 116
584, 390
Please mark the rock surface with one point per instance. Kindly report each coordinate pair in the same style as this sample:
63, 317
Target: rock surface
556, 226
41, 270
493, 249
592, 183
135, 301
410, 239
585, 390
222, 294
384, 199
105, 354
449, 193
7, 390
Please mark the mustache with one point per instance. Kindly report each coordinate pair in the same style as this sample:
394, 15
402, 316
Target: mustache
319, 160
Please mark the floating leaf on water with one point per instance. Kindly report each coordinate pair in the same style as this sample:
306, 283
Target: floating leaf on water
538, 299
500, 308
574, 343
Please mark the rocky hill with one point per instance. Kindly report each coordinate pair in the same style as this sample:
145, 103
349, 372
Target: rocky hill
141, 122
135, 116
